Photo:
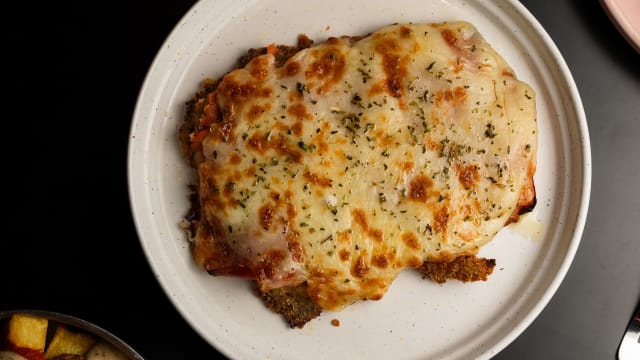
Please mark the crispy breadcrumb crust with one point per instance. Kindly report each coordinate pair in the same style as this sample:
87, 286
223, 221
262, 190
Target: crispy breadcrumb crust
293, 303
464, 268
296, 307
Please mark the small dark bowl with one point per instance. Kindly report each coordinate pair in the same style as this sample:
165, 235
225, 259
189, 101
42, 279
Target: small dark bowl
79, 324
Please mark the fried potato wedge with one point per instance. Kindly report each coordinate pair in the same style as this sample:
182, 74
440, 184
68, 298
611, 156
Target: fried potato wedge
67, 342
27, 335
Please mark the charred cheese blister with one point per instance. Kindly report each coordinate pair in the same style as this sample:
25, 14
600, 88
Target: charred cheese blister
361, 157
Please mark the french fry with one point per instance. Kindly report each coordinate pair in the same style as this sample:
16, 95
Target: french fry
27, 335
67, 342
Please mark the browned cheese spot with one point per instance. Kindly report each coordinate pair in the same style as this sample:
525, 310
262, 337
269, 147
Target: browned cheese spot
258, 142
383, 139
377, 88
468, 176
380, 261
507, 72
282, 148
297, 254
414, 262
411, 240
228, 189
297, 127
419, 188
316, 179
344, 237
441, 219
320, 141
344, 255
457, 65
449, 37
234, 95
254, 112
265, 216
292, 68
442, 256
395, 66
359, 269
360, 218
469, 210
234, 158
456, 96
433, 145
275, 196
405, 32
259, 68
291, 210
265, 92
406, 166
299, 111
374, 286
295, 96
375, 234
279, 125
329, 67
234, 92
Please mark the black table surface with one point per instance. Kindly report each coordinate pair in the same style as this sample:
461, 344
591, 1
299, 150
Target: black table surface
75, 73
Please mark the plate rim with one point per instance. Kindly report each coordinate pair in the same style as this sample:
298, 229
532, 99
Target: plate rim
578, 225
583, 209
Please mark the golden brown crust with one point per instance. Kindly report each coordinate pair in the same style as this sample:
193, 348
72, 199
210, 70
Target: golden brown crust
464, 268
297, 308
293, 303
195, 108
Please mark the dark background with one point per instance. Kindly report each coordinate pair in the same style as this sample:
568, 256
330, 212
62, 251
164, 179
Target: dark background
72, 75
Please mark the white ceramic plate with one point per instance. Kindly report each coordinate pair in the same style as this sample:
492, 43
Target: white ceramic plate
416, 318
625, 14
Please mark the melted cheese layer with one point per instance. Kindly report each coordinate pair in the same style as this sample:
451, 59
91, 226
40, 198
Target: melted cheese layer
361, 157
